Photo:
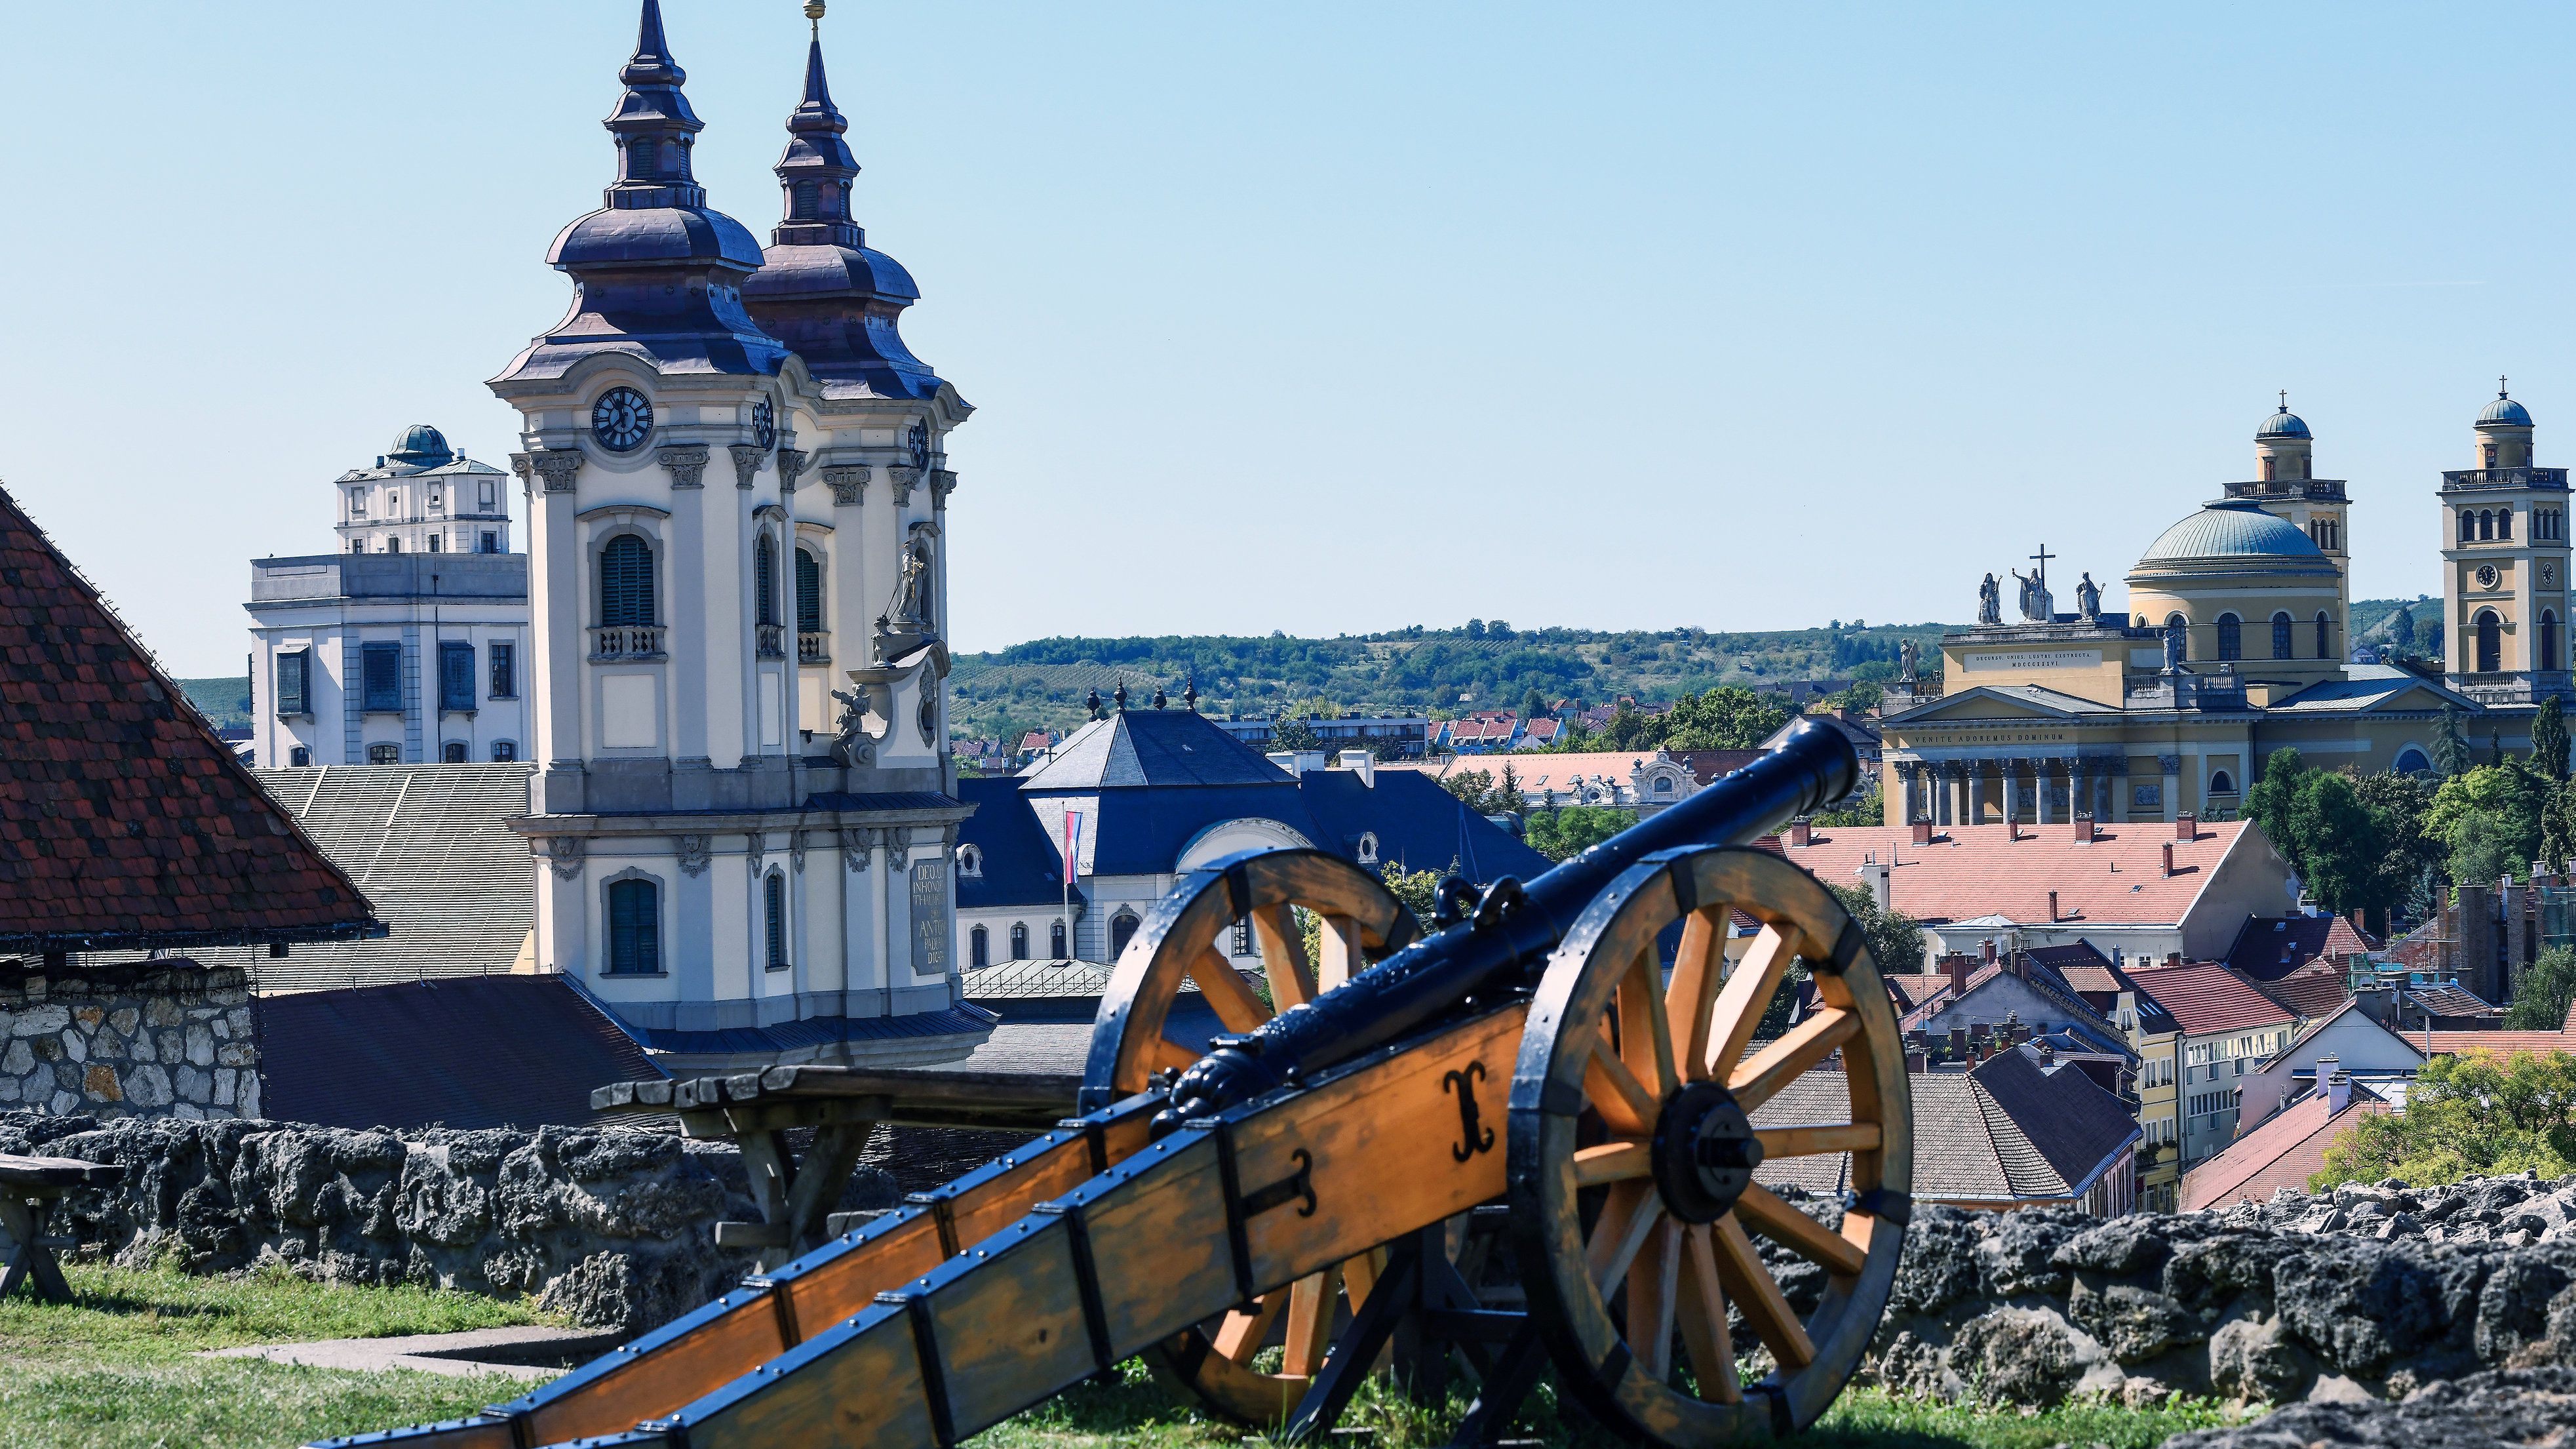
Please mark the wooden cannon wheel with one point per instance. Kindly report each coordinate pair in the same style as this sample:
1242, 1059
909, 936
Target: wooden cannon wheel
1361, 923
1668, 1192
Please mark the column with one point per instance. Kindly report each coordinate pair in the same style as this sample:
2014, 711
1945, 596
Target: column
2079, 794
2171, 765
1976, 807
1946, 798
2120, 785
2043, 774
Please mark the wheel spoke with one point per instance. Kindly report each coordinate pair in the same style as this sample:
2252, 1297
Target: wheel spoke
1815, 1140
1625, 1104
1341, 952
1226, 993
1240, 1336
1151, 1054
1310, 1322
1741, 1001
1781, 1222
1645, 1036
1652, 1281
1625, 1220
1703, 1319
1693, 993
1798, 1049
1283, 956
1746, 1281
1612, 1162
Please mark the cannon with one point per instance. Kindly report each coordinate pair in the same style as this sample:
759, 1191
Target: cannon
1528, 1085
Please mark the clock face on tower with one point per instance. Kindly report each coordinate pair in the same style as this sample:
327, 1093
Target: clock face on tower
621, 420
764, 424
920, 444
2487, 576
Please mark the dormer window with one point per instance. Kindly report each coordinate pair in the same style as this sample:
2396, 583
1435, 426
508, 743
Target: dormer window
1368, 850
970, 862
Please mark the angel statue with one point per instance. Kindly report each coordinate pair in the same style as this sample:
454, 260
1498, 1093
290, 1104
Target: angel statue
851, 746
1990, 602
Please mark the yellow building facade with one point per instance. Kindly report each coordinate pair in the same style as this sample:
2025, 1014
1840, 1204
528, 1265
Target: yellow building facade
2237, 642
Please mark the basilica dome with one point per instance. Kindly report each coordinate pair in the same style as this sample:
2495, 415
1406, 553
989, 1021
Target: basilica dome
2283, 424
2504, 412
422, 445
2231, 529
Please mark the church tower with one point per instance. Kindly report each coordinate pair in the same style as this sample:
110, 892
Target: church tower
2286, 485
723, 853
2504, 565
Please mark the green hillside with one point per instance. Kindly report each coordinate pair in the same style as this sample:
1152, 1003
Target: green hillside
2374, 621
224, 702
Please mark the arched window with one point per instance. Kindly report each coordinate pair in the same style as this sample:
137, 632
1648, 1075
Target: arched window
764, 580
2548, 639
979, 949
2175, 624
809, 594
504, 751
2411, 761
384, 754
2268, 464
626, 581
1055, 942
2504, 523
2468, 525
299, 757
1368, 849
2490, 642
773, 904
452, 753
2280, 636
634, 927
1019, 940
1122, 928
2231, 637
2325, 637
2486, 524
2220, 784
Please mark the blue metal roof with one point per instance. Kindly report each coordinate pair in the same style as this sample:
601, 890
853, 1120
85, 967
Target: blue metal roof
1021, 866
2283, 424
2231, 528
421, 445
2505, 412
1142, 747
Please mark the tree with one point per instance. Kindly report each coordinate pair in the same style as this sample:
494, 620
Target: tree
1482, 793
2269, 801
2327, 831
1292, 732
2549, 741
1475, 628
2401, 628
2451, 746
2403, 878
1566, 833
1895, 938
2547, 989
1414, 888
1533, 704
1631, 728
2488, 819
1728, 717
2477, 1114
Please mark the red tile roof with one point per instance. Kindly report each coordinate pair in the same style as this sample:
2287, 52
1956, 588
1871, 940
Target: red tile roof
2283, 1152
2207, 998
2270, 947
2315, 989
2452, 1043
124, 821
1980, 870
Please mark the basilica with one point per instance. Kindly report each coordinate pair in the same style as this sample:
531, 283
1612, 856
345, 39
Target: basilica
2237, 641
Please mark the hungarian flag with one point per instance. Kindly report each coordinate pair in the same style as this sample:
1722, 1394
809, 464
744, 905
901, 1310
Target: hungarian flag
1072, 843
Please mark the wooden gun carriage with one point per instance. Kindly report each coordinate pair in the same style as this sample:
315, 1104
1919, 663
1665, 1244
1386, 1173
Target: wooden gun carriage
1302, 1186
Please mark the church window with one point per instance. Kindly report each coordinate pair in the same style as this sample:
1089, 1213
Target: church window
2220, 784
2411, 761
809, 594
2490, 642
2231, 637
804, 199
2491, 455
380, 672
295, 682
1019, 940
357, 545
773, 901
1055, 942
2307, 468
505, 671
2268, 465
2504, 523
764, 580
979, 949
2280, 636
452, 753
626, 581
2179, 627
393, 545
455, 676
1122, 929
384, 754
504, 751
299, 757
2486, 524
2548, 639
2468, 525
490, 543
2325, 640
634, 928
435, 540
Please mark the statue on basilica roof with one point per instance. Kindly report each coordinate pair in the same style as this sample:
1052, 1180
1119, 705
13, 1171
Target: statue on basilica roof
2036, 605
1990, 602
1910, 656
2088, 599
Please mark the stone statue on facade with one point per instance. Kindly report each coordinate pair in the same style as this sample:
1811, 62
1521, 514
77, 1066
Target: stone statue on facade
1990, 602
852, 747
2173, 648
910, 610
2088, 599
2036, 605
1909, 656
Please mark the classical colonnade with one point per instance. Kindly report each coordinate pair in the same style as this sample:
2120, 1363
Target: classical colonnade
2045, 789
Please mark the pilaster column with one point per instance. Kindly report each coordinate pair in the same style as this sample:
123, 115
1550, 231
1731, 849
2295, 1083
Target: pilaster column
2171, 765
2079, 791
1976, 814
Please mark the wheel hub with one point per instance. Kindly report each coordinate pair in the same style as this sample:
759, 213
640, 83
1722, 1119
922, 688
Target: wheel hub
1704, 1152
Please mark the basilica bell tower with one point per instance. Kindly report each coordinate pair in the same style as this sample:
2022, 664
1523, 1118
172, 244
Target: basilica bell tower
2504, 566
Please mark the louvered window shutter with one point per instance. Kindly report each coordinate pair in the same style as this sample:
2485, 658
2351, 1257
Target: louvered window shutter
626, 581
809, 594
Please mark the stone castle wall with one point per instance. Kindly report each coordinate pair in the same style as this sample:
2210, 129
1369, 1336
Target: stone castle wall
142, 1039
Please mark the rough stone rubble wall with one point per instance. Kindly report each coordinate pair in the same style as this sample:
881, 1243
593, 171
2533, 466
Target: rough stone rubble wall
613, 1225
140, 1041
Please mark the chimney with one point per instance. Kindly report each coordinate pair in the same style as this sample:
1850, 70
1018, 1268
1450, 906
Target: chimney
2169, 869
2052, 903
1988, 947
2084, 829
1956, 966
2186, 826
1916, 1062
2047, 1055
1923, 832
1882, 883
1286, 760
1799, 832
2338, 1089
1362, 764
1958, 1043
2173, 958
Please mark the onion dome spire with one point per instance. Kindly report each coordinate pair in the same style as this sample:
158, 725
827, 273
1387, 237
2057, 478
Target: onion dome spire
654, 126
816, 171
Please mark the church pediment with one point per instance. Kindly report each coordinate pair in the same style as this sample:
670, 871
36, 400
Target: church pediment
1988, 704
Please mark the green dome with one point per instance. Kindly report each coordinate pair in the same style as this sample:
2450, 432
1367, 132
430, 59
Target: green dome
2230, 528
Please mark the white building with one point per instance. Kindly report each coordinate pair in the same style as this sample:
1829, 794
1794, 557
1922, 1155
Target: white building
734, 867
424, 497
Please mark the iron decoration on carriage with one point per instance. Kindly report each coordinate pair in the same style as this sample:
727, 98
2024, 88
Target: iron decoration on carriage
1525, 1093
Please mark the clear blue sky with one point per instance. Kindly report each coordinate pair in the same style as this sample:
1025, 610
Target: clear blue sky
1337, 316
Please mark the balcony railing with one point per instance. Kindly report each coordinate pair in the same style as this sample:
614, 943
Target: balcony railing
772, 640
2328, 490
2504, 478
626, 641
813, 646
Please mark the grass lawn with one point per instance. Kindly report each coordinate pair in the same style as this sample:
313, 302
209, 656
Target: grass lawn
115, 1369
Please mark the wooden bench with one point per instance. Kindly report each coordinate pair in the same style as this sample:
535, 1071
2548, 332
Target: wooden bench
29, 1188
797, 1195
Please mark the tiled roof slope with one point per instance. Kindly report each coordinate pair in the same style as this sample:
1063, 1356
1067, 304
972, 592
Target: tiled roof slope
1979, 870
2271, 947
2508, 1043
2283, 1152
1021, 867
2206, 997
1133, 747
2312, 990
124, 821
2005, 1132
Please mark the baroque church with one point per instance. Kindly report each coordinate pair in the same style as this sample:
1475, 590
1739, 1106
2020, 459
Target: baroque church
737, 485
2237, 642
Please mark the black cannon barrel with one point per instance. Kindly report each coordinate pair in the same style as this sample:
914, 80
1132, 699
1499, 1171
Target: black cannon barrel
1509, 939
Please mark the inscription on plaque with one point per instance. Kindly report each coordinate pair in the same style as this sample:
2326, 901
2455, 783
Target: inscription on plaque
2020, 659
930, 918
